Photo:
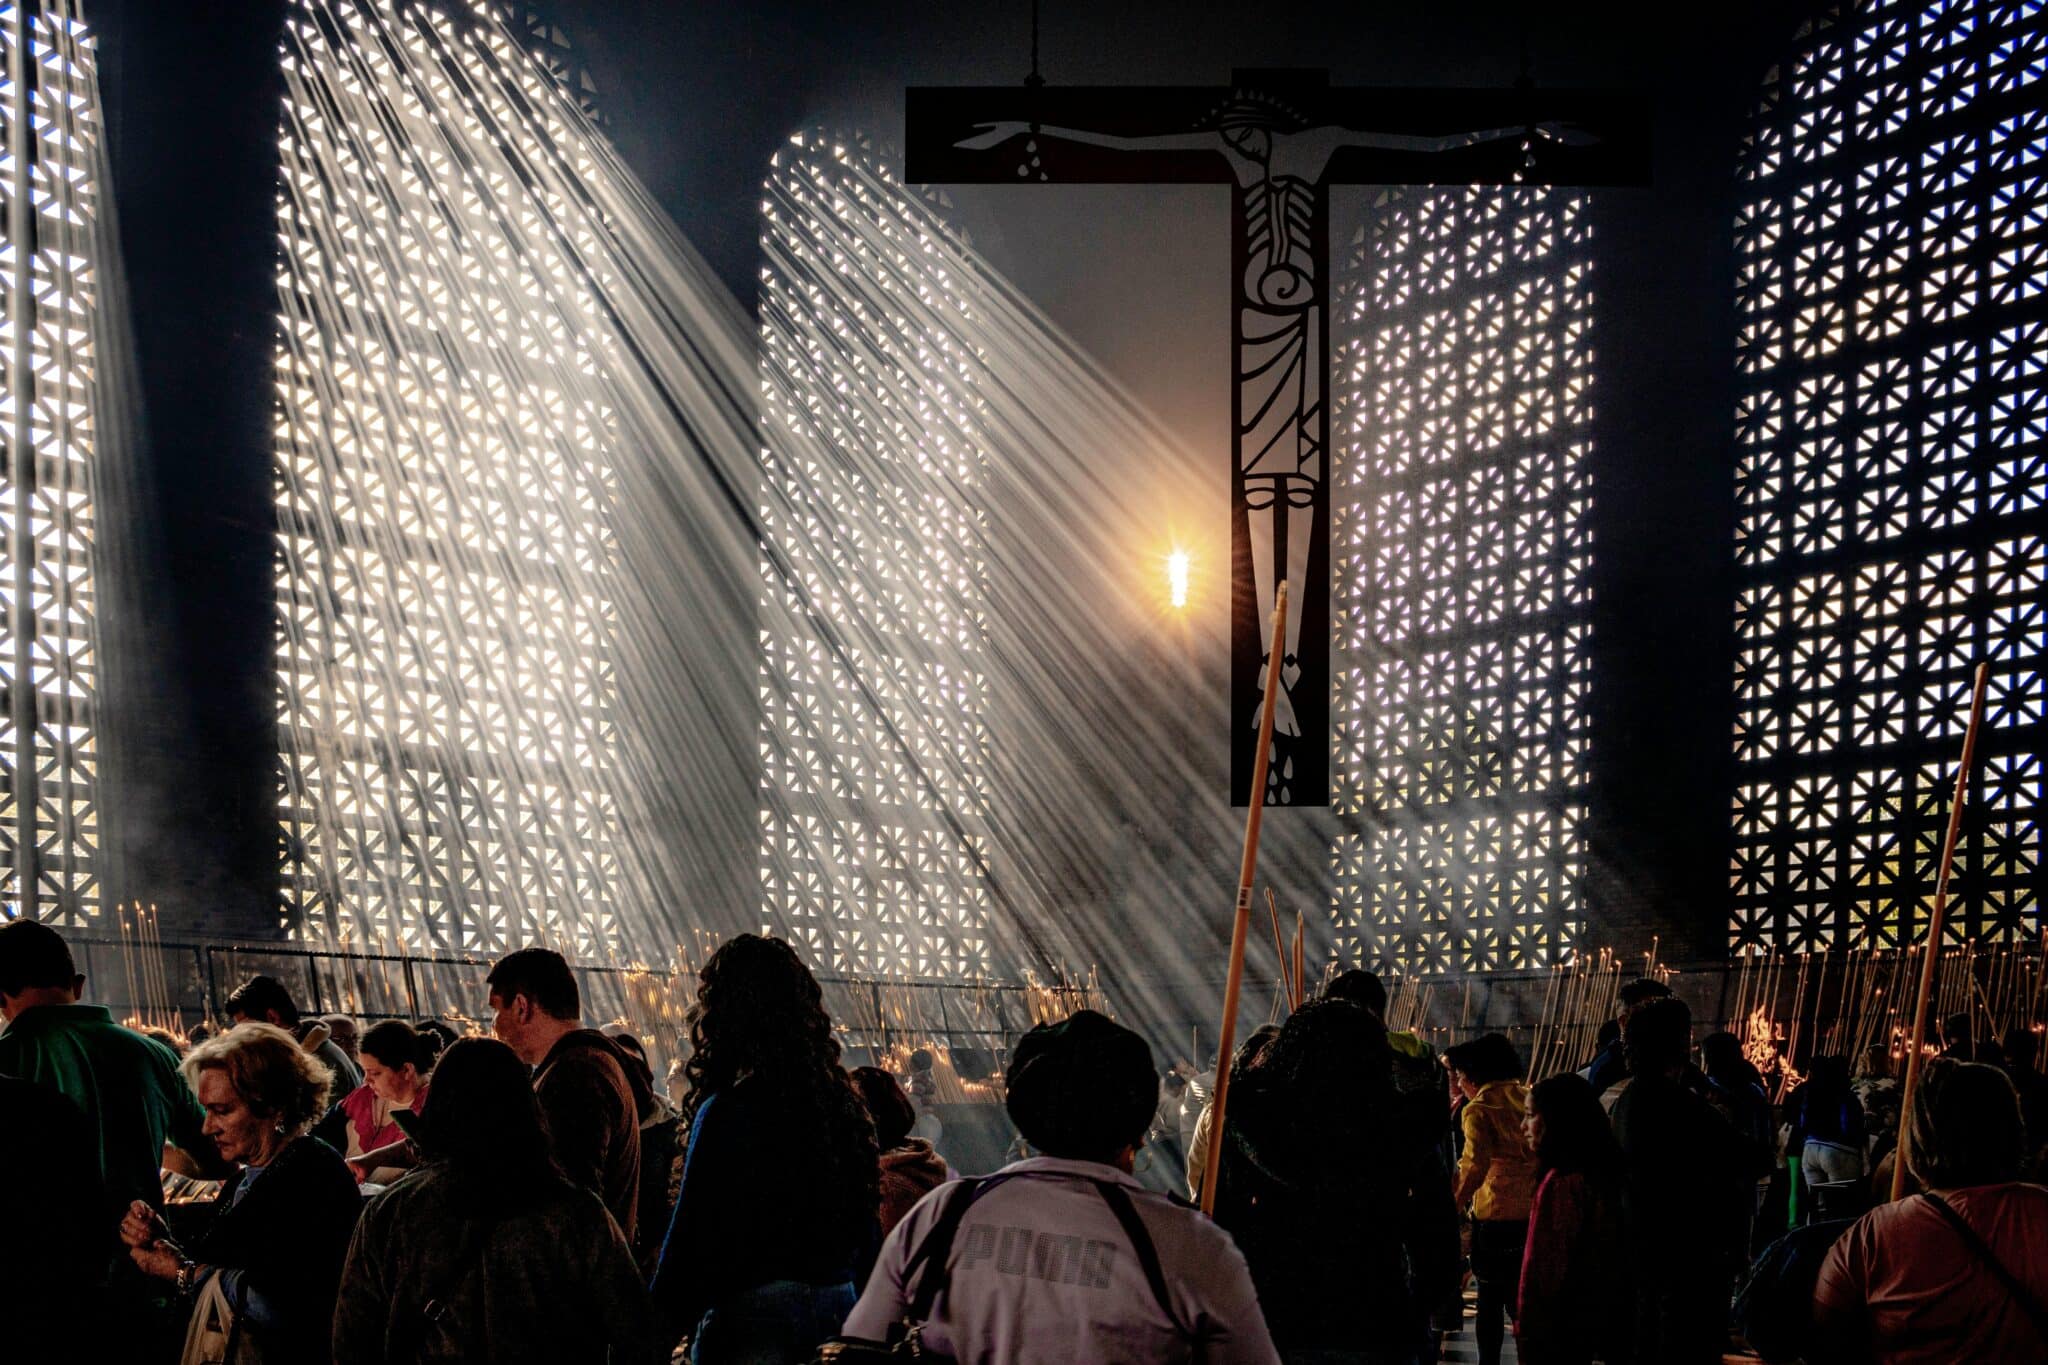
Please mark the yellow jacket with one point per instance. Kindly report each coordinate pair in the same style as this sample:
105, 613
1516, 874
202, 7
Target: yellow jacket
1497, 1171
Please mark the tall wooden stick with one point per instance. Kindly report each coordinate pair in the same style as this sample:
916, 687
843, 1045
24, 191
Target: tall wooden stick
1279, 948
1300, 960
1927, 963
1242, 919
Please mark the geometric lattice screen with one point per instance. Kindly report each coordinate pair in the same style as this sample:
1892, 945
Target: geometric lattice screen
874, 847
446, 570
1892, 476
49, 813
1463, 405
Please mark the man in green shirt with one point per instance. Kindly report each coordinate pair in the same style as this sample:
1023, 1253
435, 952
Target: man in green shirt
127, 1085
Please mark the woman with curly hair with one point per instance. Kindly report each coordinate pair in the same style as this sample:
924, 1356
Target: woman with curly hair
780, 1182
272, 1253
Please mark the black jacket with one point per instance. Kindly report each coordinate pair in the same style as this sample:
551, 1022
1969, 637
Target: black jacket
543, 1279
1351, 1236
288, 1236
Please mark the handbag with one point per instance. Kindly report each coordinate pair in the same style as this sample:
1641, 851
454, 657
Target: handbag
210, 1336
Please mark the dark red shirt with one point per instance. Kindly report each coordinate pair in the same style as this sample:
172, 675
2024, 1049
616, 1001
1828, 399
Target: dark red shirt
1905, 1283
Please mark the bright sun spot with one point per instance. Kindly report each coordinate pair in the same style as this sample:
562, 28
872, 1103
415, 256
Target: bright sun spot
1177, 577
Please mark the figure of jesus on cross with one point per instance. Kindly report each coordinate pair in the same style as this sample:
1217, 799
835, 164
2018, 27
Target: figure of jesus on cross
1279, 140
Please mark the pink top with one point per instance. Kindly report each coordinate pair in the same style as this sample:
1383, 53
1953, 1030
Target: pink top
369, 1121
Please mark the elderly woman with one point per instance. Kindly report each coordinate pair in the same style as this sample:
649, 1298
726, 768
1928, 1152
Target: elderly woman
274, 1247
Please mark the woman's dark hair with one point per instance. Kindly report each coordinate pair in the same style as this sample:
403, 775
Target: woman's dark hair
1827, 1079
759, 1014
1577, 1138
1361, 988
395, 1044
1657, 1035
1721, 1058
1483, 1060
1252, 1050
482, 1120
1966, 1127
436, 1036
1323, 1084
1327, 1044
887, 1105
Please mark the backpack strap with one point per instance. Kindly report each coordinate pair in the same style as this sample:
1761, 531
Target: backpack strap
1119, 1202
928, 1263
409, 1334
2029, 1305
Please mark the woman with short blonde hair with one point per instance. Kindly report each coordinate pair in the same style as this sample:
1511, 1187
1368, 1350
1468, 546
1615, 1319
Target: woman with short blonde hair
267, 1068
271, 1256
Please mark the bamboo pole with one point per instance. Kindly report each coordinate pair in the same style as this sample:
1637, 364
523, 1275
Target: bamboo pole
1948, 854
1241, 918
1539, 1049
1279, 948
1820, 985
1300, 960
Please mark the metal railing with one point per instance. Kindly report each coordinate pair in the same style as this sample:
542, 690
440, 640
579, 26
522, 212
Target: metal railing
194, 979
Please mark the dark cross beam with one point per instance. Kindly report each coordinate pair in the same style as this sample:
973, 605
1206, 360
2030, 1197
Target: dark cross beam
1279, 139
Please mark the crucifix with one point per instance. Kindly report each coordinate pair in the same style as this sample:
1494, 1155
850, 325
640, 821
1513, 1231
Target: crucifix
1279, 139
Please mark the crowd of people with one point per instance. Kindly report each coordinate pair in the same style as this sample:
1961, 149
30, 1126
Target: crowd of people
403, 1194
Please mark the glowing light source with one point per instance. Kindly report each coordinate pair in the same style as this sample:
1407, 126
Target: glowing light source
1177, 577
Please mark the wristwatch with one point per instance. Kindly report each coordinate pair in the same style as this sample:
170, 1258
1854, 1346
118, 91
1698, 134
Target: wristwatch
184, 1277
